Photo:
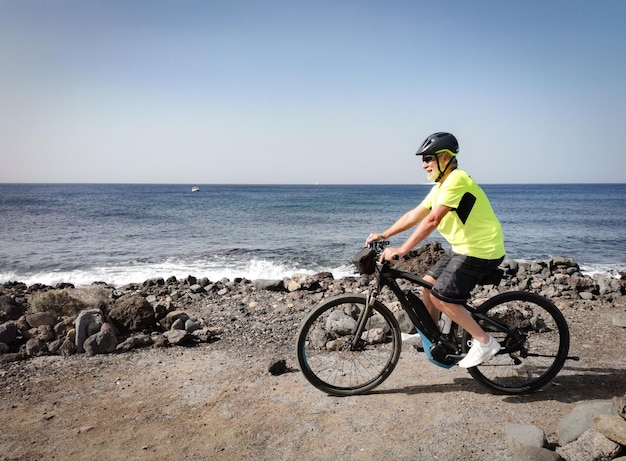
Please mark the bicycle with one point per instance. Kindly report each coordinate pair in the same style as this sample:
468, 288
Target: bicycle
351, 343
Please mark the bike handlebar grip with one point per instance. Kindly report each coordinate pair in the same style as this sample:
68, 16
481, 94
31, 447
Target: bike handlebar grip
396, 257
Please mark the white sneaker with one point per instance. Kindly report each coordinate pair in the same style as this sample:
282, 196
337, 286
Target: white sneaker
480, 352
412, 340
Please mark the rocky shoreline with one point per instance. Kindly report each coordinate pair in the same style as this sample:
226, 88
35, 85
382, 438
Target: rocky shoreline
249, 315
64, 320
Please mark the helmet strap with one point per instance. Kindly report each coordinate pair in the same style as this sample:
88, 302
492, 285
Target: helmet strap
441, 173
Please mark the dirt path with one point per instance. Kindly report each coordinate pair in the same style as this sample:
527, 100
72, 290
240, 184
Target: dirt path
211, 402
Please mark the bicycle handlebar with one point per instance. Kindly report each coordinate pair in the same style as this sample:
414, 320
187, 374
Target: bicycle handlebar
379, 246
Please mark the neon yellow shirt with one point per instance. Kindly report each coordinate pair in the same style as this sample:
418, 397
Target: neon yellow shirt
471, 227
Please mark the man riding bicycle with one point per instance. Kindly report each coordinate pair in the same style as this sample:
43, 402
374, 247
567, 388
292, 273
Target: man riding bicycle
459, 209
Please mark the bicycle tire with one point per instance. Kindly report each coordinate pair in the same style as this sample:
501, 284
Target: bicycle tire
532, 356
323, 346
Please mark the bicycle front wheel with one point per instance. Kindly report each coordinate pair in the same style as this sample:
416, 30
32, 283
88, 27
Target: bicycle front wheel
334, 360
534, 348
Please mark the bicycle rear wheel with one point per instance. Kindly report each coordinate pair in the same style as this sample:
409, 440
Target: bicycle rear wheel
336, 362
533, 351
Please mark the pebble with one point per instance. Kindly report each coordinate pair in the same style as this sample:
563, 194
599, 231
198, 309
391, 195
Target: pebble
612, 427
619, 319
590, 446
580, 419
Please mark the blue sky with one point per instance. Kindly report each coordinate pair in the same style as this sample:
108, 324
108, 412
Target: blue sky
200, 92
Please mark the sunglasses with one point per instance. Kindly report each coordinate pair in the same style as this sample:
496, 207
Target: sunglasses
428, 158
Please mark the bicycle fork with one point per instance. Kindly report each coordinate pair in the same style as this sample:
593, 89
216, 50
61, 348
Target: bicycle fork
363, 317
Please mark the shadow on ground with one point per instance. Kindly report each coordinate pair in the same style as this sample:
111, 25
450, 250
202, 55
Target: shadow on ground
571, 385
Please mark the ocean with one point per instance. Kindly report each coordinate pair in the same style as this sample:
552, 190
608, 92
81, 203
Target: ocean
123, 233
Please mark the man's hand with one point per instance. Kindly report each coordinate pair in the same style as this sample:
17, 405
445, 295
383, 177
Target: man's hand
391, 254
373, 238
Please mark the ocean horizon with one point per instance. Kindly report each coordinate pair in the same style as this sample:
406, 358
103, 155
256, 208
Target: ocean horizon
81, 233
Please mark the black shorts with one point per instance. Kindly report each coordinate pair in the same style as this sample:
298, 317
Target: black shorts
456, 275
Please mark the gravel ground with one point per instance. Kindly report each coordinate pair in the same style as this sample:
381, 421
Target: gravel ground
218, 401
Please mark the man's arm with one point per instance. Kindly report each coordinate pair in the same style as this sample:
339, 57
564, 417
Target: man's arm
408, 220
424, 229
429, 221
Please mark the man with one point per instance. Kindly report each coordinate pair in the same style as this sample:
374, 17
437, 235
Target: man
459, 209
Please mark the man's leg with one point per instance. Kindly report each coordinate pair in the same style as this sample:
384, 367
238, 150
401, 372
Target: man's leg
427, 297
454, 284
484, 345
456, 312
459, 315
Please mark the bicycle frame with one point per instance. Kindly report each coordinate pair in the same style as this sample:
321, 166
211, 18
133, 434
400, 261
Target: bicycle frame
417, 311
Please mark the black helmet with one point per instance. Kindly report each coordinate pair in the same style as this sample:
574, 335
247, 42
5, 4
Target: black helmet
438, 142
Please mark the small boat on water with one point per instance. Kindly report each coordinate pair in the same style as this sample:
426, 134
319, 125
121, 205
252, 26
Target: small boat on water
195, 189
